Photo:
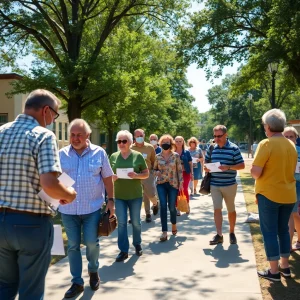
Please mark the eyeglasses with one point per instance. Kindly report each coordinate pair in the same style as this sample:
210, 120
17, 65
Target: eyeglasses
178, 141
218, 136
121, 141
192, 142
56, 113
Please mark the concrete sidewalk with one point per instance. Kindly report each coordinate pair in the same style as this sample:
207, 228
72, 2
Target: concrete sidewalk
184, 267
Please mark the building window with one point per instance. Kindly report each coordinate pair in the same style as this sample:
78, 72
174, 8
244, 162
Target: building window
54, 127
66, 131
60, 131
3, 119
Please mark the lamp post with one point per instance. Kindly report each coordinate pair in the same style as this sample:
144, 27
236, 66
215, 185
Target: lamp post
250, 96
273, 68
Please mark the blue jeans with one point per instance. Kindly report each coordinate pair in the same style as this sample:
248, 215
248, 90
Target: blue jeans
274, 219
25, 245
295, 208
134, 206
167, 196
89, 224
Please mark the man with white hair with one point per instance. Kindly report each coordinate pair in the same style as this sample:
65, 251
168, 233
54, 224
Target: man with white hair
88, 165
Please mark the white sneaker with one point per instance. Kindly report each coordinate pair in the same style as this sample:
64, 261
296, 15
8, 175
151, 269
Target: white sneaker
296, 246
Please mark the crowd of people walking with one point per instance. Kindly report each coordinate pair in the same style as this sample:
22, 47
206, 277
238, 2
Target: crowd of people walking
139, 173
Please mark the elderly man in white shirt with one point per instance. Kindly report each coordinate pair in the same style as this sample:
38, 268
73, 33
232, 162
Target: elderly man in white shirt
88, 165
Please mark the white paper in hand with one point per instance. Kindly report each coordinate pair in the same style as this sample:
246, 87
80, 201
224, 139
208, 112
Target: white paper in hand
122, 173
58, 243
214, 167
66, 180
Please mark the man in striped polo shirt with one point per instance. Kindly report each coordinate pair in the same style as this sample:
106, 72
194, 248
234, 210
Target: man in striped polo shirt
223, 184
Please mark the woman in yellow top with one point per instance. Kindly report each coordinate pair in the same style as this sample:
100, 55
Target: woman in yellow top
275, 188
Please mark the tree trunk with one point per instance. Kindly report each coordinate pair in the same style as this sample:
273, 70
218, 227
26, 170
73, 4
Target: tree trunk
109, 144
74, 108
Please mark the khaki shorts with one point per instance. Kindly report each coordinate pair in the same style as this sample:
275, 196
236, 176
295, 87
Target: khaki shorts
228, 193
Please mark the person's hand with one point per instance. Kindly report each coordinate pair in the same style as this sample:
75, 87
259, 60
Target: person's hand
180, 187
70, 199
111, 207
114, 177
206, 169
158, 174
132, 175
256, 200
224, 168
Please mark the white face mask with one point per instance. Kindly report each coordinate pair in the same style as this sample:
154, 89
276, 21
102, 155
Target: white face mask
153, 142
139, 140
50, 126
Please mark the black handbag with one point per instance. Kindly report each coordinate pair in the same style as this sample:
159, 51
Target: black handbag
205, 184
107, 225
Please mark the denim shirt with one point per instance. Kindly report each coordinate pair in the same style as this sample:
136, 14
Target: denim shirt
185, 158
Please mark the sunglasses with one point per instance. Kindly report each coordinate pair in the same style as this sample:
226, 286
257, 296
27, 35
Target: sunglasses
178, 141
121, 141
218, 136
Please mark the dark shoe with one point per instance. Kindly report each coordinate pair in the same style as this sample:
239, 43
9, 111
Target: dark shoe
138, 250
164, 236
285, 272
74, 290
268, 275
232, 238
122, 256
155, 209
217, 239
129, 221
94, 281
148, 218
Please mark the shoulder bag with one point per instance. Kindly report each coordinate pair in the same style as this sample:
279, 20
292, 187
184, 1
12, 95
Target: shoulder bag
205, 184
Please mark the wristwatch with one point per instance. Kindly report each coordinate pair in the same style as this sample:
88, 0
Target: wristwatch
111, 199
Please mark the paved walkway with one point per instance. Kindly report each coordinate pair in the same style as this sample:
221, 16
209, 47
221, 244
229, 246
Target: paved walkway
185, 267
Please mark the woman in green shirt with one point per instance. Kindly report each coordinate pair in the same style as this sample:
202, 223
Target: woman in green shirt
129, 167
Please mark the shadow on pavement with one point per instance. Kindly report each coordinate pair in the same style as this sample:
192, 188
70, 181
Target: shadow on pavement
223, 257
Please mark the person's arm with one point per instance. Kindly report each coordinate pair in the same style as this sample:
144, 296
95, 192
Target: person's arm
179, 172
256, 171
109, 187
236, 167
55, 189
142, 175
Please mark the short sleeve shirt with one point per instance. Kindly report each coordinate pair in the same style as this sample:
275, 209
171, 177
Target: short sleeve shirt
88, 171
148, 152
278, 158
228, 155
128, 189
27, 150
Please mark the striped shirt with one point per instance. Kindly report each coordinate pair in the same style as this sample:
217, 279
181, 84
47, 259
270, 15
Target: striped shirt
228, 155
27, 150
87, 170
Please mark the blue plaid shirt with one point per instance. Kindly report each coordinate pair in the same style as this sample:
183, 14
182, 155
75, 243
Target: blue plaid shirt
87, 170
27, 150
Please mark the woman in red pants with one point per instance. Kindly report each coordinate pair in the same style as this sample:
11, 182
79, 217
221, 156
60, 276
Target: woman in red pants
187, 166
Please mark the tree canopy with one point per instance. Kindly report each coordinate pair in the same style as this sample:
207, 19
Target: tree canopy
67, 39
238, 30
